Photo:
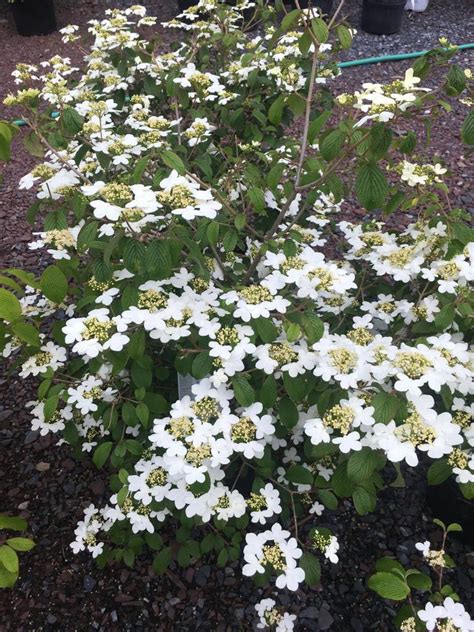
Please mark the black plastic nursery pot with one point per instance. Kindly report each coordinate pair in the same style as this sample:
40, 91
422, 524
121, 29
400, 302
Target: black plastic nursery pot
34, 17
382, 17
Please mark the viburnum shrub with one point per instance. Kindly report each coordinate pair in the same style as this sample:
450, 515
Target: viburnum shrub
211, 331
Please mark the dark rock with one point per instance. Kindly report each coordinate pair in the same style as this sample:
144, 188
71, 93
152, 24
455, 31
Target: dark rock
31, 437
325, 620
309, 613
89, 583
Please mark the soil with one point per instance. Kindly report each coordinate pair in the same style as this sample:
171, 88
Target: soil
58, 590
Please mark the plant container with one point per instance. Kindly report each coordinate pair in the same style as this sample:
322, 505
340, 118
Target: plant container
34, 17
185, 4
382, 17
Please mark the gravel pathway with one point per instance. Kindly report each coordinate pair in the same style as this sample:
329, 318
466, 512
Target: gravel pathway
61, 591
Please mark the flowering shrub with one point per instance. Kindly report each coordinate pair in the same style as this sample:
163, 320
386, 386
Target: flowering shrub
238, 357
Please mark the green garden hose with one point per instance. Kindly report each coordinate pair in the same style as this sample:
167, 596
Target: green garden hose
344, 64
399, 57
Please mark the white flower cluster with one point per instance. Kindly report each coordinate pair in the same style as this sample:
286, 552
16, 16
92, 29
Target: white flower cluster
271, 618
450, 615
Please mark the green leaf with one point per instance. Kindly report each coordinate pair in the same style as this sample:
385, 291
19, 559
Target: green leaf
222, 558
296, 387
438, 472
257, 199
371, 186
141, 375
139, 169
173, 161
265, 329
386, 406
269, 392
316, 125
162, 560
390, 565
54, 284
342, 485
296, 103
21, 544
313, 327
276, 110
243, 392
300, 475
312, 569
463, 232
7, 579
467, 490
143, 413
102, 272
456, 79
5, 141
320, 30
380, 140
389, 586
467, 131
27, 333
240, 220
362, 464
134, 255
331, 144
10, 306
202, 365
87, 235
417, 580
9, 558
230, 240
328, 499
344, 36
71, 121
445, 317
158, 259
207, 543
14, 523
288, 413
364, 501
290, 19
33, 144
101, 454
454, 526
212, 233
408, 143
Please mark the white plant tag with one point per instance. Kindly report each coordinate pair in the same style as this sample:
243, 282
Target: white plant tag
185, 384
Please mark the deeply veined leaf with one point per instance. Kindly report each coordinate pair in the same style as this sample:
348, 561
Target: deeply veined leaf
101, 454
173, 161
243, 391
389, 586
371, 186
10, 307
9, 558
54, 284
